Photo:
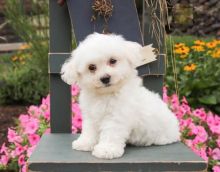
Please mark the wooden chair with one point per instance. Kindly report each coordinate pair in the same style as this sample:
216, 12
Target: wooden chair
54, 152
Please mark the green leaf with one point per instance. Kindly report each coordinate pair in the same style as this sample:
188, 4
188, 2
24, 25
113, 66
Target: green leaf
209, 100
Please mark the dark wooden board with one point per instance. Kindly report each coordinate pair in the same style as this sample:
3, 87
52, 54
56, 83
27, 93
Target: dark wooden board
124, 20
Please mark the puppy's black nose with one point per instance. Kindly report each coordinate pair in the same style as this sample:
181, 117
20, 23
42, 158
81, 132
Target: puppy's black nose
105, 79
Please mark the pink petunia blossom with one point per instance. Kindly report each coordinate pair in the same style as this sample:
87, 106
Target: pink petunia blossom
32, 126
77, 121
34, 111
216, 168
13, 154
46, 115
33, 139
216, 154
184, 101
76, 109
75, 90
4, 149
24, 168
21, 160
165, 97
203, 154
13, 136
4, 160
200, 113
19, 149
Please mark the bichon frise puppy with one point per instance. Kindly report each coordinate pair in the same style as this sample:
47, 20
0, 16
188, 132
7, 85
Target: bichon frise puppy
116, 107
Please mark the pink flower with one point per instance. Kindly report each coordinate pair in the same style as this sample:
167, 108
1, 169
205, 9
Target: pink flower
46, 115
77, 121
74, 129
32, 126
174, 102
24, 168
34, 111
46, 101
165, 97
23, 119
200, 113
19, 149
216, 154
13, 137
30, 150
184, 101
203, 154
4, 160
13, 154
4, 149
76, 109
21, 160
216, 168
33, 139
185, 108
215, 128
75, 90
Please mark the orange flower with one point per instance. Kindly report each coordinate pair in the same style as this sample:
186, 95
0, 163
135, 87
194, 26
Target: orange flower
212, 44
24, 46
190, 67
178, 45
217, 41
182, 50
198, 48
216, 53
199, 42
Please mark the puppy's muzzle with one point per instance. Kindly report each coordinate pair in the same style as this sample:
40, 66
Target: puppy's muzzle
105, 79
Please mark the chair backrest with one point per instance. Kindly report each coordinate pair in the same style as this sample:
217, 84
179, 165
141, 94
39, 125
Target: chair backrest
124, 21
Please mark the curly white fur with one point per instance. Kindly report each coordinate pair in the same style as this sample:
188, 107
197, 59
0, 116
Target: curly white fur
123, 111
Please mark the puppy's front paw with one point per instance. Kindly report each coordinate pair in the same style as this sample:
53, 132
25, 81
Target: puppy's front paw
82, 145
108, 151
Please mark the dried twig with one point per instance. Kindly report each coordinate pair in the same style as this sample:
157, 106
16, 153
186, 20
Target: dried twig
103, 8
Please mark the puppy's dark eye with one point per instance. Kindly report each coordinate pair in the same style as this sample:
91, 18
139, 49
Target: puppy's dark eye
92, 68
112, 61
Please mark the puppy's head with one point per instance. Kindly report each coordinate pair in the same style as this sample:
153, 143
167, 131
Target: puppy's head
102, 63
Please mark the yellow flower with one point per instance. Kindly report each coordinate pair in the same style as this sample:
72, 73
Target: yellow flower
212, 44
24, 46
217, 41
178, 45
199, 42
190, 67
216, 53
182, 50
198, 48
183, 56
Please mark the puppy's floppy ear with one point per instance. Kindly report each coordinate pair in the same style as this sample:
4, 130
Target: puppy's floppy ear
68, 71
133, 50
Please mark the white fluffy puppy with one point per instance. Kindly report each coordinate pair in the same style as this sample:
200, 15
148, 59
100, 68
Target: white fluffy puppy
116, 107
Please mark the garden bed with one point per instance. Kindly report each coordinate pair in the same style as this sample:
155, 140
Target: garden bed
7, 119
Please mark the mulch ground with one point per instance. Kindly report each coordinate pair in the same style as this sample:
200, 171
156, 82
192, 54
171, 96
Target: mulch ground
7, 119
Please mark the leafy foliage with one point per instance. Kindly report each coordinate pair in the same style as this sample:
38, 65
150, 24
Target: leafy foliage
197, 65
25, 78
